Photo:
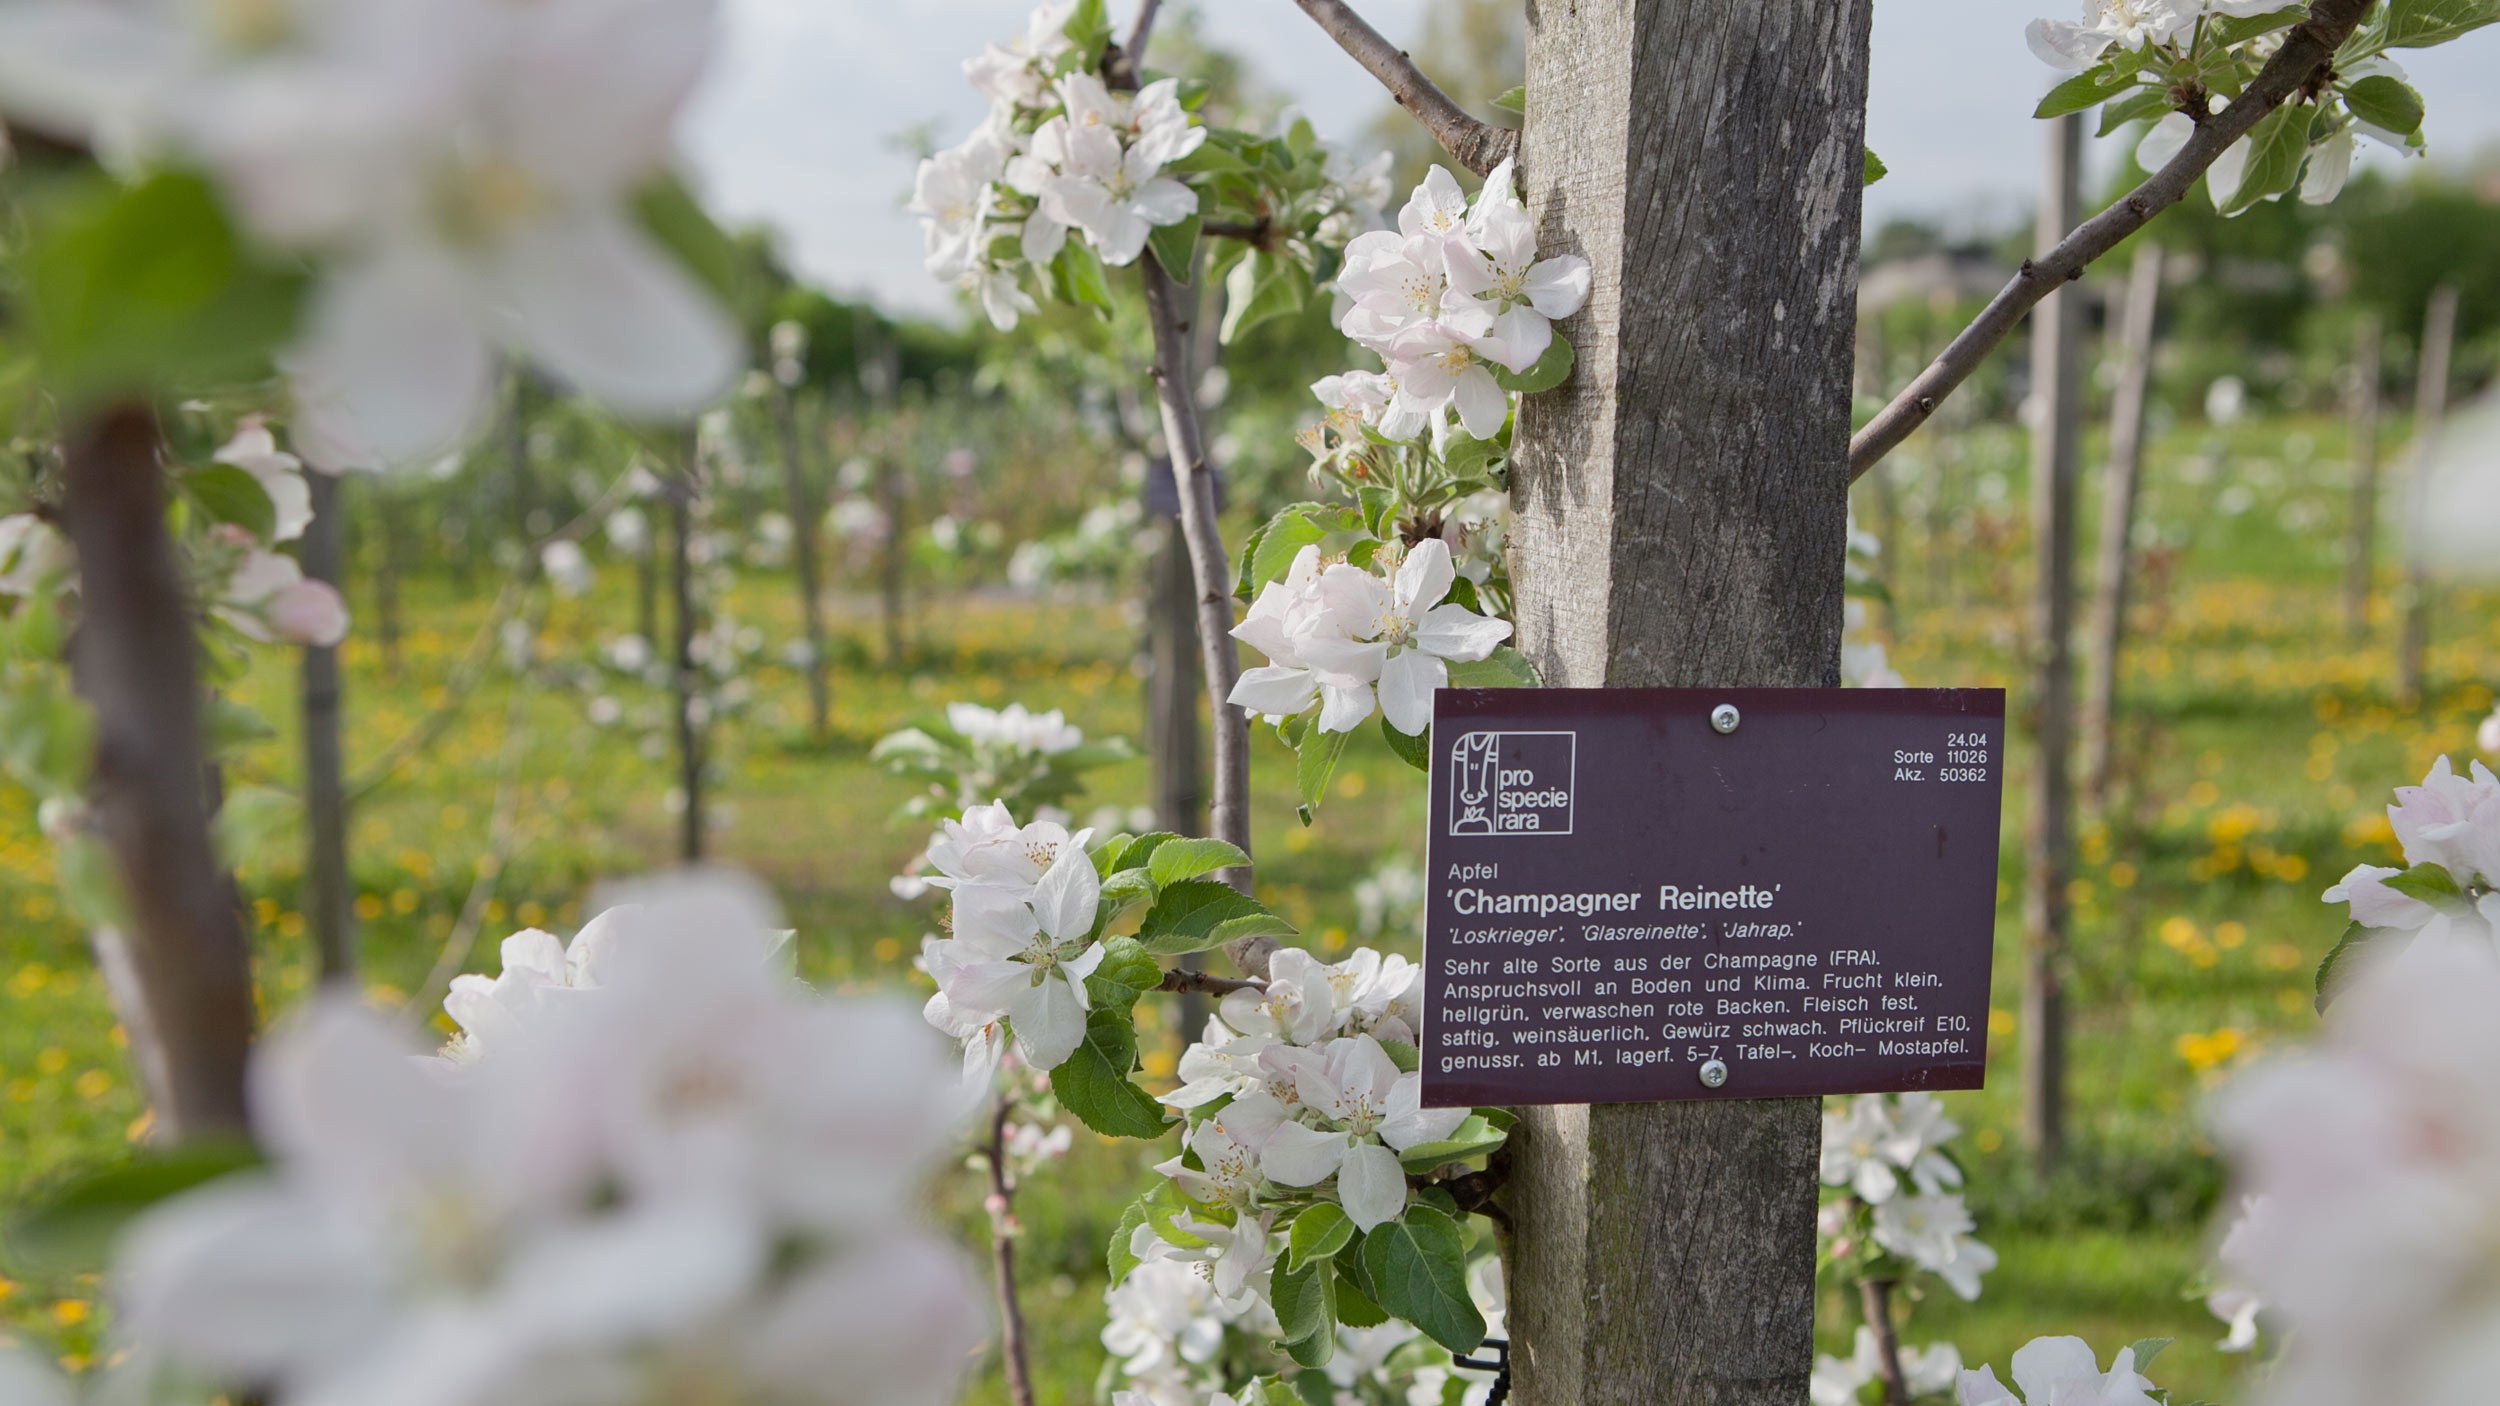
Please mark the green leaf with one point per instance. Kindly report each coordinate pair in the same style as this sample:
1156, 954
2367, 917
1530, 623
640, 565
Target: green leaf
231, 495
2088, 89
671, 215
1189, 859
1117, 1256
1551, 370
2276, 149
1468, 457
72, 1230
1126, 972
1275, 545
1264, 285
1077, 276
1355, 1309
1414, 751
2146, 1349
2336, 970
1132, 854
1505, 667
1418, 1262
1317, 1233
1473, 1138
1175, 247
1316, 761
132, 290
2137, 106
1093, 1083
2226, 32
1875, 169
1197, 914
2384, 101
1089, 29
1303, 1301
1513, 100
2431, 883
2420, 24
1406, 1057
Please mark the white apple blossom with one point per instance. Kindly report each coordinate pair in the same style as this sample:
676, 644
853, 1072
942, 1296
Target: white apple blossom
1399, 632
2376, 905
1024, 957
2060, 1372
2375, 1163
1286, 612
2128, 25
266, 596
280, 475
1870, 1142
538, 969
1098, 168
2451, 820
1925, 1371
1496, 264
1166, 1328
567, 566
987, 849
1297, 1006
1932, 1231
32, 554
1235, 1257
1439, 366
1227, 1146
1015, 728
1359, 1101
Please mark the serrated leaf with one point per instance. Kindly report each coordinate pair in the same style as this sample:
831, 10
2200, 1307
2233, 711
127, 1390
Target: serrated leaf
1117, 1256
72, 1229
2146, 1349
2276, 148
1077, 276
1198, 914
2431, 883
1263, 286
2088, 89
231, 495
1315, 762
2227, 32
1318, 1233
2137, 106
1088, 28
1303, 1303
1505, 667
1874, 170
1093, 1083
1137, 853
1513, 100
1551, 370
1281, 538
1418, 1262
2386, 102
2336, 969
2420, 24
1125, 973
1175, 247
1380, 511
1178, 860
1414, 751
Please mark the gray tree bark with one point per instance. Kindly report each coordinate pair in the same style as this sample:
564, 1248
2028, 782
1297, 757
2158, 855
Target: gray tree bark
1683, 506
803, 528
2048, 831
680, 491
328, 889
2115, 549
2430, 406
181, 971
2361, 539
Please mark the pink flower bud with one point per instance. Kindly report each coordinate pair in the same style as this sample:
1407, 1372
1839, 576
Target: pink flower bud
308, 612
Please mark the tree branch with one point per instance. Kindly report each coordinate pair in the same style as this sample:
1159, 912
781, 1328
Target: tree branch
1002, 1208
2306, 52
136, 661
1875, 1301
1478, 146
1201, 983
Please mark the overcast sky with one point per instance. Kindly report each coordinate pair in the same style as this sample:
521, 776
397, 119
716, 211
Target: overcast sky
800, 125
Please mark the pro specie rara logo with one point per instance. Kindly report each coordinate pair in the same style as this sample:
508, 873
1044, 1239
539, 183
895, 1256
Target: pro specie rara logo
1512, 783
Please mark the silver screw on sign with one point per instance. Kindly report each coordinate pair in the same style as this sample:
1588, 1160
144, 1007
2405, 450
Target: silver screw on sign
1713, 1073
1724, 718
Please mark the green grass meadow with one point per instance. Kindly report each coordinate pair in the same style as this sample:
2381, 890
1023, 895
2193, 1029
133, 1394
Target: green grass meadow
2259, 743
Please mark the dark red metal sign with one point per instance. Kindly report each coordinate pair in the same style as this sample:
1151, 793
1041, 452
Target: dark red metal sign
1648, 894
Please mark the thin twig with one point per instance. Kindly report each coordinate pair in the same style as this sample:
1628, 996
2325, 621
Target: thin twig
1875, 1299
1002, 1207
1478, 146
2307, 51
1204, 984
135, 660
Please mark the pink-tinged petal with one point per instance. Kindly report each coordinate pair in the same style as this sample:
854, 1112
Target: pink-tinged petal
1346, 661
1406, 687
1164, 201
617, 318
1482, 404
1301, 1156
1274, 691
1521, 335
309, 613
394, 360
1457, 633
1049, 1024
1559, 286
988, 988
1371, 1186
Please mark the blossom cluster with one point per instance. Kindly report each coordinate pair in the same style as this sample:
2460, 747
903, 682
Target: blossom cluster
2173, 61
1842, 1381
2055, 1371
464, 171
657, 1166
1059, 152
1898, 1191
1350, 638
1013, 970
2449, 828
1454, 292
